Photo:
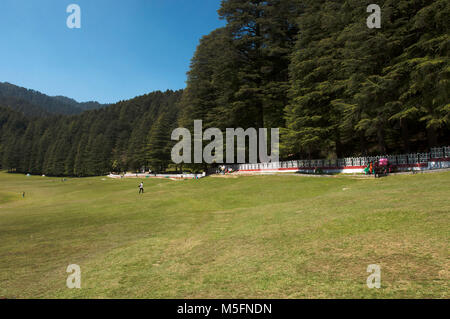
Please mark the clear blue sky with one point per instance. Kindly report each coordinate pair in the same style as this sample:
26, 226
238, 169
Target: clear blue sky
123, 49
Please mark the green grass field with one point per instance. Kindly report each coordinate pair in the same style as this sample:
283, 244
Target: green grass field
245, 237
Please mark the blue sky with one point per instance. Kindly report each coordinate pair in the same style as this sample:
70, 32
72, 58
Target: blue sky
123, 49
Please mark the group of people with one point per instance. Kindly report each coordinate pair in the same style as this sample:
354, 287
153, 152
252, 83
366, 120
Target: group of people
225, 170
377, 168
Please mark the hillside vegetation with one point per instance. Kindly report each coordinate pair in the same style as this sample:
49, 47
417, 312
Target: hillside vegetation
35, 104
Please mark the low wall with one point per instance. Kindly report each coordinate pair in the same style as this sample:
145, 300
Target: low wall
437, 158
349, 169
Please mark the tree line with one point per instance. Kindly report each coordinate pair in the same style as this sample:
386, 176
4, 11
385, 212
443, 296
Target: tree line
312, 68
335, 87
128, 135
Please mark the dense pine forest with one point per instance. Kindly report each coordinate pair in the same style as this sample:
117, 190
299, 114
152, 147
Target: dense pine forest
312, 68
126, 135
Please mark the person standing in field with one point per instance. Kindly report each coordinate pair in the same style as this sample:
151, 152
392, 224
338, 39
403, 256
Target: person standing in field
141, 188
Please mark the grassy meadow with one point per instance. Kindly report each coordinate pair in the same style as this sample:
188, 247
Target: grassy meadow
244, 237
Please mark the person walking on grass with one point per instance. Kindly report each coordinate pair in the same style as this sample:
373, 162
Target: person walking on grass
141, 188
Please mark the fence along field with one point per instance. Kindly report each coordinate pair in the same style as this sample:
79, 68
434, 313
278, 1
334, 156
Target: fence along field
438, 157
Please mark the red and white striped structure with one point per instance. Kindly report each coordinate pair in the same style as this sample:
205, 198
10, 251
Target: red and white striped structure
437, 158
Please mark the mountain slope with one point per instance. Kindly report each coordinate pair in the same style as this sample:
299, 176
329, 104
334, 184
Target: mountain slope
85, 106
34, 103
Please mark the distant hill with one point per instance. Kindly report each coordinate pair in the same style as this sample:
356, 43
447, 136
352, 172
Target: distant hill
34, 103
23, 106
85, 106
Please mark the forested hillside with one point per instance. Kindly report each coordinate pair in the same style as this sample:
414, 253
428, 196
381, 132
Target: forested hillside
122, 136
36, 104
356, 90
334, 86
310, 67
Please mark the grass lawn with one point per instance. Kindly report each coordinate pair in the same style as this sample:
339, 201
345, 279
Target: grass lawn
256, 237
